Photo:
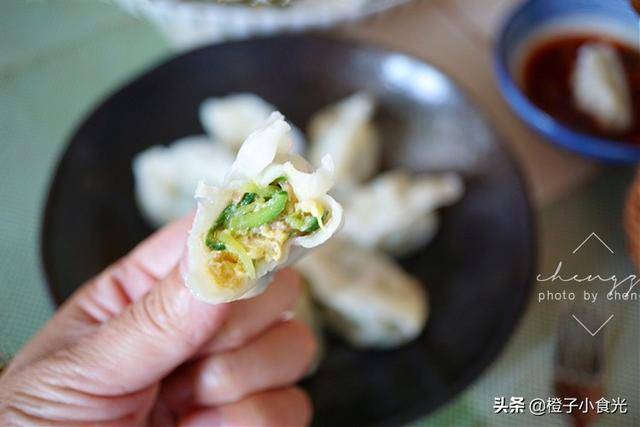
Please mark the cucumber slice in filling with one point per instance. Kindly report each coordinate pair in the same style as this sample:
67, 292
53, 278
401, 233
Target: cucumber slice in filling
249, 216
258, 206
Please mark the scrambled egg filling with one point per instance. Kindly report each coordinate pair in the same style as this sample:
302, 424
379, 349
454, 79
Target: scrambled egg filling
226, 269
255, 227
266, 242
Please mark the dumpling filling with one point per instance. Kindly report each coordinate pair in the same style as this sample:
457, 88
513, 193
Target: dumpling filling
255, 228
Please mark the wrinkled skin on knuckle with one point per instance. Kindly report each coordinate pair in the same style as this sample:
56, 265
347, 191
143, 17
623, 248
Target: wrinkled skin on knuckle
27, 398
50, 393
169, 316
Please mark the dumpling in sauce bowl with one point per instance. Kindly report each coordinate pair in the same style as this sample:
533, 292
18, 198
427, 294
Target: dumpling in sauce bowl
600, 87
364, 296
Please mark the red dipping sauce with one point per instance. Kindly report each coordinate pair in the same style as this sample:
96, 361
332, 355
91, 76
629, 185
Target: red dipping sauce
546, 80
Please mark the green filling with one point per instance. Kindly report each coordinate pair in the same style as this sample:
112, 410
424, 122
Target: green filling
214, 244
247, 199
250, 216
224, 216
257, 207
301, 223
310, 225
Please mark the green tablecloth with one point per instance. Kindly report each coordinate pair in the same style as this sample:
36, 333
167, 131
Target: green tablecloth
58, 59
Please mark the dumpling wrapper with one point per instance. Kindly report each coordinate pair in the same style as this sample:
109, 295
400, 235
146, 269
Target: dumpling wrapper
600, 87
231, 119
396, 211
166, 176
345, 132
262, 158
367, 299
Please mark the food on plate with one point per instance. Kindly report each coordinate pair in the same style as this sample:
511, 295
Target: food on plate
230, 119
166, 176
364, 296
600, 87
263, 210
396, 211
269, 210
346, 132
586, 81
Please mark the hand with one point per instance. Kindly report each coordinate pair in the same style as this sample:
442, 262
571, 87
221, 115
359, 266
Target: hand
132, 346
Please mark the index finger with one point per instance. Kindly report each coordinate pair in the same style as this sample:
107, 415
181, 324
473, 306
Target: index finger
109, 293
135, 274
161, 252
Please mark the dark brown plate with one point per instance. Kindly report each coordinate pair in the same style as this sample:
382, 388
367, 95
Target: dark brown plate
478, 269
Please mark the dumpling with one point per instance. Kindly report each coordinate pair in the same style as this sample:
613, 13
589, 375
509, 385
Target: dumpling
346, 132
408, 239
600, 87
270, 202
396, 212
166, 176
230, 120
364, 296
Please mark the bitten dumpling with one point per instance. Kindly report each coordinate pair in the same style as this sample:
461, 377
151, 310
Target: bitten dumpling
230, 119
365, 296
269, 210
166, 176
396, 211
346, 132
600, 87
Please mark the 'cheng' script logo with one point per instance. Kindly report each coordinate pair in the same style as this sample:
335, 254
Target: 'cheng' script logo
620, 288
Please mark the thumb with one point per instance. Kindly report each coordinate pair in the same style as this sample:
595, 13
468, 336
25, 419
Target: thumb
148, 340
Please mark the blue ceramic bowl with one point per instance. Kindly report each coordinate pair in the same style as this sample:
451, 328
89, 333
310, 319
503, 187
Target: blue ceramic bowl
529, 19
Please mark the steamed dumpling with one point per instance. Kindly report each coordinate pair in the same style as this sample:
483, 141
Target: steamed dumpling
410, 238
166, 176
346, 132
270, 209
230, 119
365, 297
396, 212
600, 87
